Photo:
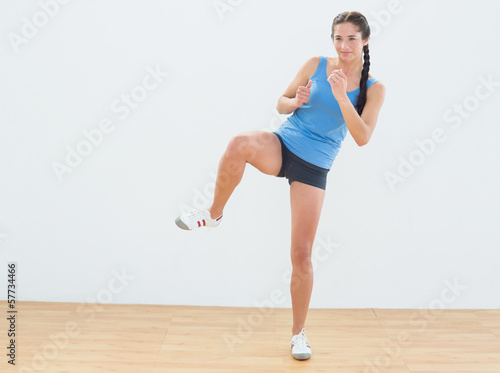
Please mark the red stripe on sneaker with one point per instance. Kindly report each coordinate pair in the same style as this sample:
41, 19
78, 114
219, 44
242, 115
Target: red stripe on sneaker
204, 222
199, 225
219, 218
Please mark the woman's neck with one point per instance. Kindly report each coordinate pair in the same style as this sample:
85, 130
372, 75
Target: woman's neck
353, 68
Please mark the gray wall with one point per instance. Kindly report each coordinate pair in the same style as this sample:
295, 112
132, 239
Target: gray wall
114, 116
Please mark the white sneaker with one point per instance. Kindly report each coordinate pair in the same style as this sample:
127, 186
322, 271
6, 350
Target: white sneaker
196, 219
301, 350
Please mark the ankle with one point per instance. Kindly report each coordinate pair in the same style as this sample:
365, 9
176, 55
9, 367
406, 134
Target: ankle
296, 331
214, 214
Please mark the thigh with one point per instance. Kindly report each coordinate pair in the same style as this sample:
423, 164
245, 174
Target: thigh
262, 149
306, 203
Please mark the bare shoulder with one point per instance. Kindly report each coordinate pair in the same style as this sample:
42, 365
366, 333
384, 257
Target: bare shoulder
310, 66
376, 92
313, 61
377, 87
306, 71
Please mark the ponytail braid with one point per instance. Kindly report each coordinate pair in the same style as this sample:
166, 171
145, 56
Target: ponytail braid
360, 105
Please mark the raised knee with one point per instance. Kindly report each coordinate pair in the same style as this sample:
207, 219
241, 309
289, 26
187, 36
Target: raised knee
235, 145
240, 146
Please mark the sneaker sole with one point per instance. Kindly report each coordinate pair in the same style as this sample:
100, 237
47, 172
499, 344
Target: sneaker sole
303, 356
181, 224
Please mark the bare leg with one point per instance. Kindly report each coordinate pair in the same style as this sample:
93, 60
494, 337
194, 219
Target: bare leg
262, 149
306, 203
231, 168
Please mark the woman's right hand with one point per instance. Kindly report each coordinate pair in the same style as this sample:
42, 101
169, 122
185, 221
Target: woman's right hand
302, 94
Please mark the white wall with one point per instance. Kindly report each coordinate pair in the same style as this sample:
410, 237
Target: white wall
427, 242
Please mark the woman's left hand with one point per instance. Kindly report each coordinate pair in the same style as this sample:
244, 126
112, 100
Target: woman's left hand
338, 81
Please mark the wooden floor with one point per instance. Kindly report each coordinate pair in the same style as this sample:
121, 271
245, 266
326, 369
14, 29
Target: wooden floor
71, 337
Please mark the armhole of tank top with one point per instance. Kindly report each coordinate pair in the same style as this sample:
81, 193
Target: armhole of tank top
318, 69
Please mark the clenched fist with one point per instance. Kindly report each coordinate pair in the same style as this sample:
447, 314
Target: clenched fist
302, 94
338, 81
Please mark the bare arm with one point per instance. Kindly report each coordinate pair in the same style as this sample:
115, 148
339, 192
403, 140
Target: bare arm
286, 105
298, 91
362, 127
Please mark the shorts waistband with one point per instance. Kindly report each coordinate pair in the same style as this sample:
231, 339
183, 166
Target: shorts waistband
297, 159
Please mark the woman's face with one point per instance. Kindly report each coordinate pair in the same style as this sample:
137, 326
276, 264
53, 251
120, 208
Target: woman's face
348, 42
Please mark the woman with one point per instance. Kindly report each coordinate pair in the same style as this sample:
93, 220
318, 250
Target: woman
328, 97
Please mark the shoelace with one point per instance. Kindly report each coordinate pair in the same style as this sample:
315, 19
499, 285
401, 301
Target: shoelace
199, 216
301, 340
195, 214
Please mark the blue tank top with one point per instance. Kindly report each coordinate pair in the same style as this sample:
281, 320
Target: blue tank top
315, 131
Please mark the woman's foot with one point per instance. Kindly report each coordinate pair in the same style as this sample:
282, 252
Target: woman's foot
301, 350
197, 219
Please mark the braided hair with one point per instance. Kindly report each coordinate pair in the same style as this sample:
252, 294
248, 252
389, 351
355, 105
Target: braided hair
361, 23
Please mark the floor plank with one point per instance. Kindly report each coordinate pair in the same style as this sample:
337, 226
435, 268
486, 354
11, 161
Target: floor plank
71, 337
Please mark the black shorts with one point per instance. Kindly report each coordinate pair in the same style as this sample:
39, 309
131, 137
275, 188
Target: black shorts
296, 169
